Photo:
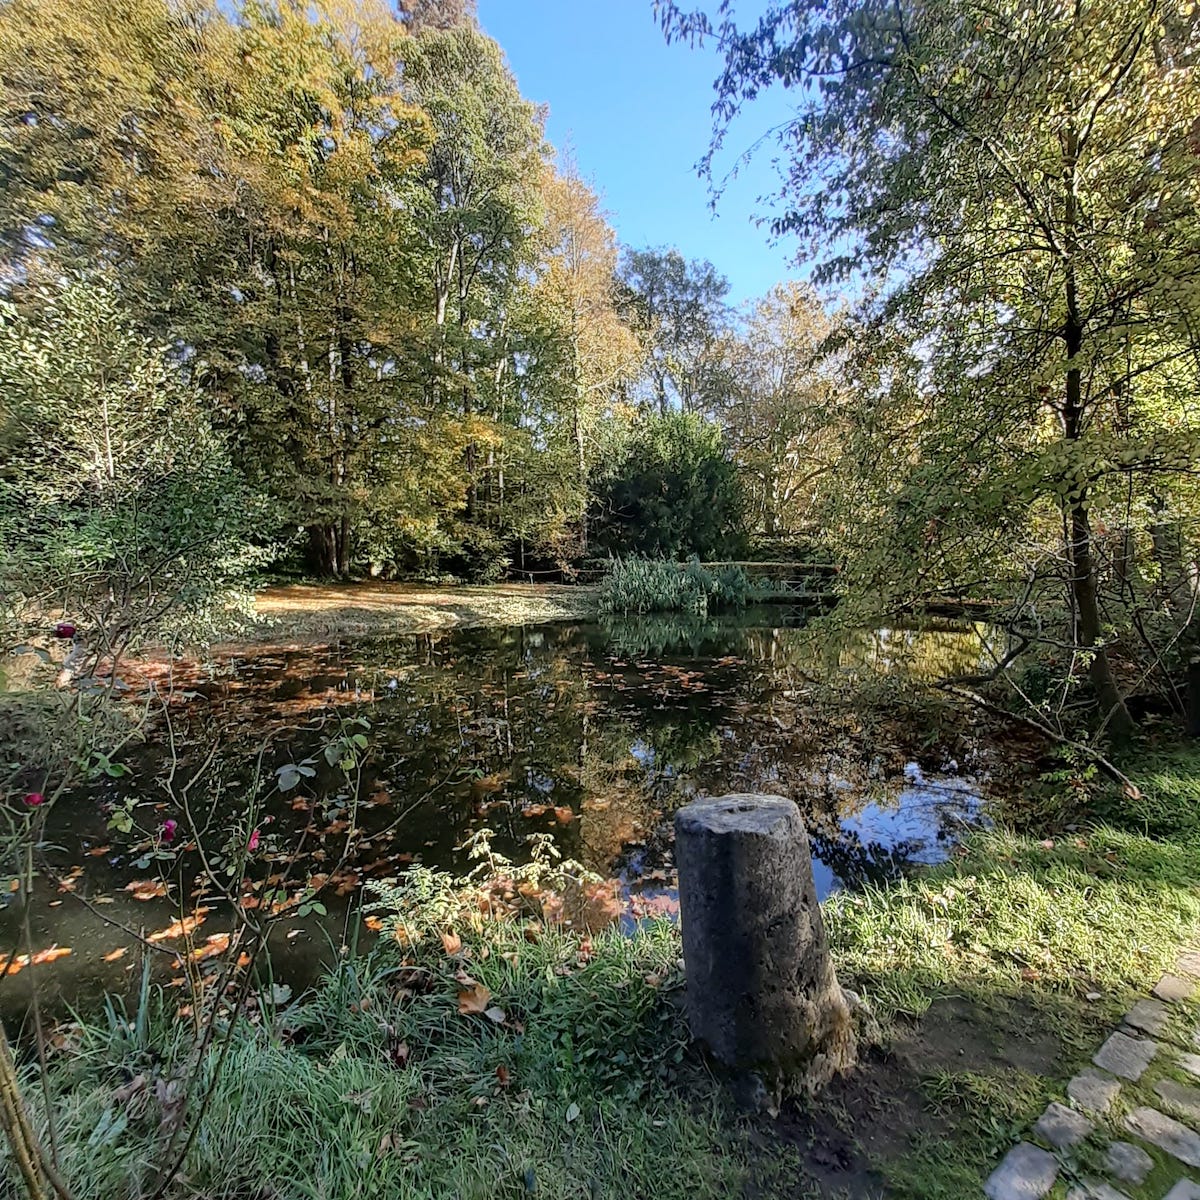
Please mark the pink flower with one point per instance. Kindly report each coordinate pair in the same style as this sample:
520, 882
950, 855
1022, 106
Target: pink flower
168, 831
252, 844
64, 629
33, 799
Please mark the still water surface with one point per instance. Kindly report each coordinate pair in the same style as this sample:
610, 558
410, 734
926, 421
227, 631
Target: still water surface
592, 735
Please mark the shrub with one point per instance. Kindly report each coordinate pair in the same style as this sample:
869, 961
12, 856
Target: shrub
645, 585
674, 491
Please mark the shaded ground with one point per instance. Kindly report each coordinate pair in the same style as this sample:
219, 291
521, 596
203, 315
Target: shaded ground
298, 611
914, 1118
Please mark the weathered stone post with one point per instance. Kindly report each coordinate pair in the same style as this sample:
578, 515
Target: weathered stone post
761, 991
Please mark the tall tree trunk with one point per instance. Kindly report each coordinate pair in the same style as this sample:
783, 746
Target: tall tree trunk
1079, 548
321, 557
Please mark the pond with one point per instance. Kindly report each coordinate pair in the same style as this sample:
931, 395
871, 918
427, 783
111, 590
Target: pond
589, 734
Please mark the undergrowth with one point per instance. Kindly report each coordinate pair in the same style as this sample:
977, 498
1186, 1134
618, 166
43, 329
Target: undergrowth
480, 1055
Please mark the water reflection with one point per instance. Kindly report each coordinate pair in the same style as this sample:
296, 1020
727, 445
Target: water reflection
593, 734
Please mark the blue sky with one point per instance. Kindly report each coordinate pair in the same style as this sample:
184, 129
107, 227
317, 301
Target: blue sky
636, 113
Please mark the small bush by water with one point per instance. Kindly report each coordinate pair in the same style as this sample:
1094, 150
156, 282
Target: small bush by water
646, 585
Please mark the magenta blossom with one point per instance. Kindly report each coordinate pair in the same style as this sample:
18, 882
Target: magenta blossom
252, 844
33, 799
168, 831
64, 629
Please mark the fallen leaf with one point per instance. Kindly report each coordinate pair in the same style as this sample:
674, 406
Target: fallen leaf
502, 1077
40, 958
572, 1113
119, 952
178, 929
146, 889
496, 1015
374, 924
451, 942
473, 999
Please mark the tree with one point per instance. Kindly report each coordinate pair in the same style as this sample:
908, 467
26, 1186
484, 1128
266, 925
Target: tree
476, 205
1024, 180
321, 140
678, 309
437, 14
119, 503
675, 493
783, 417
587, 350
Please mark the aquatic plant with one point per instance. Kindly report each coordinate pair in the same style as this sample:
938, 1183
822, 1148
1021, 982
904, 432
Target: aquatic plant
644, 585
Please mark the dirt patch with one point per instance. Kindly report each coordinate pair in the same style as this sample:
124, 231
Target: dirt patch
307, 611
878, 1115
956, 1034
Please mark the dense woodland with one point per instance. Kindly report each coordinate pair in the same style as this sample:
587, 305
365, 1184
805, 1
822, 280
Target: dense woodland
305, 288
377, 296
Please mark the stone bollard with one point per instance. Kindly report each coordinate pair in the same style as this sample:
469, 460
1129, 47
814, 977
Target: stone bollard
761, 991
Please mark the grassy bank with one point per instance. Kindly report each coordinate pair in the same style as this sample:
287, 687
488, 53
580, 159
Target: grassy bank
510, 1061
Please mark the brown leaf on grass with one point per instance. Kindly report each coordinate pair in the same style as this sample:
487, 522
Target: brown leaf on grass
129, 1091
451, 943
502, 1077
374, 924
473, 999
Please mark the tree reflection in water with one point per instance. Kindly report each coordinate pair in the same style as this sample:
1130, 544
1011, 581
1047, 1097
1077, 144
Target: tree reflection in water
594, 734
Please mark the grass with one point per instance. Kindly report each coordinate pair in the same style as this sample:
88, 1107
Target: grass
1056, 936
580, 1082
378, 1085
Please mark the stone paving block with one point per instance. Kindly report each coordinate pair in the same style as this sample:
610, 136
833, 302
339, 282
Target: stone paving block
1180, 1096
1125, 1056
1127, 1162
1166, 1133
1173, 988
1062, 1127
1093, 1091
1189, 963
1185, 1189
1150, 1016
1027, 1173
1190, 1063
1094, 1189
